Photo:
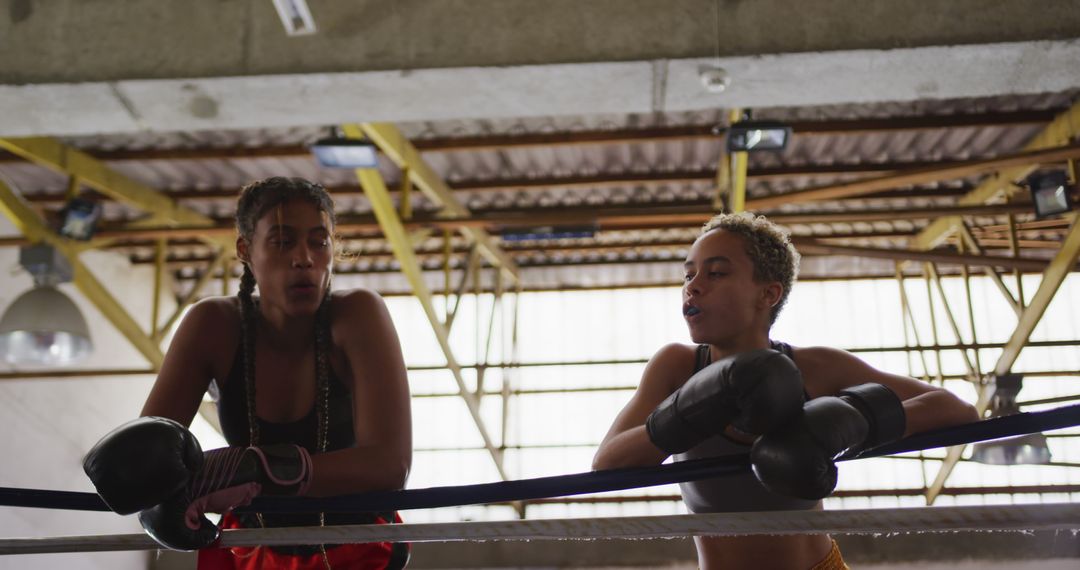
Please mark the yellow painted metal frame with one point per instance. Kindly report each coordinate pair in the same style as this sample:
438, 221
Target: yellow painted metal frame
400, 242
933, 275
739, 161
51, 153
731, 175
219, 258
164, 211
398, 149
969, 239
31, 226
1058, 133
1064, 262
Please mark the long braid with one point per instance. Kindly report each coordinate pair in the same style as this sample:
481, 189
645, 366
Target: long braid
322, 395
248, 321
322, 371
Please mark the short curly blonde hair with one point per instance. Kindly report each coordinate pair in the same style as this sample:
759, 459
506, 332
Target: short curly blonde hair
767, 245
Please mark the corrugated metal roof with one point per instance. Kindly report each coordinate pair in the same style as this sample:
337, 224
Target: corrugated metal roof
569, 174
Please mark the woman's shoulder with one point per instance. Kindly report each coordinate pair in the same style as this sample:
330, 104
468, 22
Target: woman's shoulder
677, 352
823, 366
215, 312
209, 332
819, 356
355, 308
672, 365
352, 300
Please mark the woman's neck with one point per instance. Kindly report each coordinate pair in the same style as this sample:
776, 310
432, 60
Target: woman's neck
740, 344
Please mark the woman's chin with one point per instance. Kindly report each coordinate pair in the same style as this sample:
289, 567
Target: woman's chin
698, 337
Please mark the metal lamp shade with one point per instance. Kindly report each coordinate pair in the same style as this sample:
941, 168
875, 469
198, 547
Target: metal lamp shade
43, 327
1030, 449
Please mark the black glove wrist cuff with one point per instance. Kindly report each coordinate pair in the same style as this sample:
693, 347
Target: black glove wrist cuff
883, 410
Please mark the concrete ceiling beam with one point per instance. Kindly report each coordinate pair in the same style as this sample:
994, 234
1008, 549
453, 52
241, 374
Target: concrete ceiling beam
664, 85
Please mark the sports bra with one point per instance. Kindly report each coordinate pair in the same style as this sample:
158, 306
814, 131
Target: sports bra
733, 493
231, 398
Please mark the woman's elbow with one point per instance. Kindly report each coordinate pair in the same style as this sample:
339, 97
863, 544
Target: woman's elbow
600, 461
968, 413
398, 474
955, 409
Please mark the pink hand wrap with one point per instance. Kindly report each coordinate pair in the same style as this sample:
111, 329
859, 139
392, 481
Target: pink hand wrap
232, 476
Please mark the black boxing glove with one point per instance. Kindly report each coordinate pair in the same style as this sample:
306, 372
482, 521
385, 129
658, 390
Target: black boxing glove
753, 392
798, 459
142, 463
230, 477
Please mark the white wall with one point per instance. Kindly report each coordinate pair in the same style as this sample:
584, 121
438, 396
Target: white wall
49, 424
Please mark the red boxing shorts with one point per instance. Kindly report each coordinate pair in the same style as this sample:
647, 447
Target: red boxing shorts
369, 556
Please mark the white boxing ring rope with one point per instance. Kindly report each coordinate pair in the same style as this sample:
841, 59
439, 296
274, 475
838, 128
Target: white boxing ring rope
1056, 516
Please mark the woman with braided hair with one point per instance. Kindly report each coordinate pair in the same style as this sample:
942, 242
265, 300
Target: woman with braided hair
310, 386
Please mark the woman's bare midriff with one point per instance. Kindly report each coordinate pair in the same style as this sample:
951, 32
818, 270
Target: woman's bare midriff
798, 552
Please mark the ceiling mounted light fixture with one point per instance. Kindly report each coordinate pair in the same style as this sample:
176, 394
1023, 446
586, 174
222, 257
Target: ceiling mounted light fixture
336, 151
754, 136
1029, 449
43, 326
79, 219
1050, 193
296, 17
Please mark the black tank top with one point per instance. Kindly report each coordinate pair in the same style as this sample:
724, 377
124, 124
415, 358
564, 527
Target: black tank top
231, 398
232, 413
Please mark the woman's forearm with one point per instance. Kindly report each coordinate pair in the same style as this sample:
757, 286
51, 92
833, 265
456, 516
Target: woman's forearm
358, 469
937, 409
631, 448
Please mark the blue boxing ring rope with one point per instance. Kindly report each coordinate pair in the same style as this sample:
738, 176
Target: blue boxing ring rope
1063, 516
574, 484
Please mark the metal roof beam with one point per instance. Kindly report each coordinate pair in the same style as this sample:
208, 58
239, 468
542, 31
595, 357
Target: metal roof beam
1059, 268
816, 246
53, 154
620, 179
392, 143
1025, 161
1061, 131
401, 243
163, 210
671, 133
646, 216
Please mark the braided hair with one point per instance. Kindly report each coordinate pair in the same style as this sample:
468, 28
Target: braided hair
256, 199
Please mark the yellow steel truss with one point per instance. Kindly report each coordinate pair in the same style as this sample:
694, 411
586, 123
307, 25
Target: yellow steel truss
31, 226
402, 245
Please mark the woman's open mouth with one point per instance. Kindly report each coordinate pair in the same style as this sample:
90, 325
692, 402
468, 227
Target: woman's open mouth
302, 289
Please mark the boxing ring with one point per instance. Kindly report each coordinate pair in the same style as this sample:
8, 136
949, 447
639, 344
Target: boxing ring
1062, 516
